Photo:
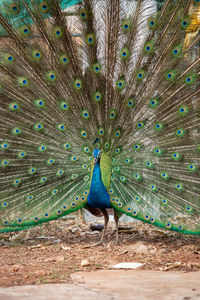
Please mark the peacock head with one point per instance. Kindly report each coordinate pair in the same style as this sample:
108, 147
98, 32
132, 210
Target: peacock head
96, 156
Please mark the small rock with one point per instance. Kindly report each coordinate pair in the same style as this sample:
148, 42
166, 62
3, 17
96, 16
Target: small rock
43, 248
96, 227
50, 259
124, 252
26, 276
16, 268
152, 251
60, 259
85, 263
63, 247
128, 265
45, 237
140, 248
40, 273
35, 246
57, 241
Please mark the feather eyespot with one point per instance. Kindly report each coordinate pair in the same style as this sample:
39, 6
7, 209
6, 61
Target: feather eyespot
185, 22
23, 82
14, 106
183, 110
125, 53
117, 150
120, 84
5, 146
126, 25
153, 188
130, 103
29, 198
157, 151
140, 125
38, 127
192, 167
16, 182
180, 132
16, 131
140, 75
84, 134
176, 51
137, 198
117, 133
148, 47
43, 7
64, 106
190, 79
176, 156
61, 127
74, 176
86, 178
67, 146
97, 97
21, 154
113, 114
85, 114
19, 221
101, 131
179, 186
188, 208
137, 177
57, 32
40, 103
152, 23
164, 202
83, 14
78, 84
149, 164
25, 30
90, 39
50, 161
96, 68
54, 192
14, 8
165, 175
43, 179
168, 225
59, 173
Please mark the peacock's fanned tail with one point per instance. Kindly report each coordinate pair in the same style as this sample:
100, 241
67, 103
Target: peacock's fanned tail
117, 75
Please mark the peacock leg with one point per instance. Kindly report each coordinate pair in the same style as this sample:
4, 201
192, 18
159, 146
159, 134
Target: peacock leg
106, 219
117, 215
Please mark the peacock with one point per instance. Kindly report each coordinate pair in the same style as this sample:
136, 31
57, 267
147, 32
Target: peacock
100, 109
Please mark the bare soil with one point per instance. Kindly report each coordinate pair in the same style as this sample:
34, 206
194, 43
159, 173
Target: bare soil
50, 253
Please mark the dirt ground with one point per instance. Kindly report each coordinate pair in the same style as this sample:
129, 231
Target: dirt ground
54, 251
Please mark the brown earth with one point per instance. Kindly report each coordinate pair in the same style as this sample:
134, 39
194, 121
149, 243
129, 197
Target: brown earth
55, 251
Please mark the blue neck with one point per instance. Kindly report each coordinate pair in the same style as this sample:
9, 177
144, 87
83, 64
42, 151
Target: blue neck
98, 196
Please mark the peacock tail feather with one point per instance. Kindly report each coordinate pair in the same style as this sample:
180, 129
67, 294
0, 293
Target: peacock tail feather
127, 83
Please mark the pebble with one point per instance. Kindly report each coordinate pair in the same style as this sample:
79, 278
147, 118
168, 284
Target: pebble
85, 263
16, 268
40, 273
60, 259
140, 248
